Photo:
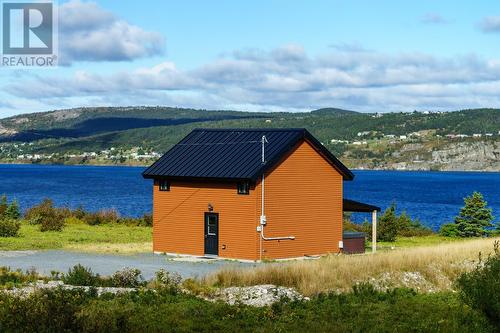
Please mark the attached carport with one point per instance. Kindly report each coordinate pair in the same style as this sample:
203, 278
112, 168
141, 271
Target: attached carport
359, 207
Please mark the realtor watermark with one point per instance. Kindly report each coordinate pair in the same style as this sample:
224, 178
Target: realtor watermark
29, 34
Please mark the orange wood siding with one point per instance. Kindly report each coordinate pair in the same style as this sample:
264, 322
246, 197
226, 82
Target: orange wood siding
303, 198
178, 219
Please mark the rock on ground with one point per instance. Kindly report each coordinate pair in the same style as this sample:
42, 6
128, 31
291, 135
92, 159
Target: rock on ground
260, 295
32, 287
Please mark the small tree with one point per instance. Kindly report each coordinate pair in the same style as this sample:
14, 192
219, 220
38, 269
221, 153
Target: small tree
3, 205
388, 225
474, 217
12, 211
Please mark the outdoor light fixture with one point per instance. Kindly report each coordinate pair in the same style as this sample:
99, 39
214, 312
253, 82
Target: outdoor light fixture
210, 207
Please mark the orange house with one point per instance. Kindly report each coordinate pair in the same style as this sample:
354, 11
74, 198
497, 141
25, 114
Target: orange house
248, 194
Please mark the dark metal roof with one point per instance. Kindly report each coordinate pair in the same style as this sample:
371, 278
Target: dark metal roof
233, 154
353, 235
356, 206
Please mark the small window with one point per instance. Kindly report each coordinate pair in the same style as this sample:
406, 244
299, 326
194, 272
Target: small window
243, 188
212, 226
164, 185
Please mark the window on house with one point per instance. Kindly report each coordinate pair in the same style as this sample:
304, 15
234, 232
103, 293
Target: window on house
212, 225
164, 185
243, 188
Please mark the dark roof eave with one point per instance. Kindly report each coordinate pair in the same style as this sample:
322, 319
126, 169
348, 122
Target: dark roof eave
356, 206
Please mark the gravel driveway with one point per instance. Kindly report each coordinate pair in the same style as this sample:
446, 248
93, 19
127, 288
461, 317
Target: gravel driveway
106, 264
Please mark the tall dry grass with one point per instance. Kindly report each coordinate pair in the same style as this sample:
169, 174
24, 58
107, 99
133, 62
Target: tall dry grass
426, 268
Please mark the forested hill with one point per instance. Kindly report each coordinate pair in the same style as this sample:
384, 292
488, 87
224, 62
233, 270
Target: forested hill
66, 134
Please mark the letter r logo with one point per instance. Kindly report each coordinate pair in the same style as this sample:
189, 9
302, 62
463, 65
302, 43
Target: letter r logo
27, 28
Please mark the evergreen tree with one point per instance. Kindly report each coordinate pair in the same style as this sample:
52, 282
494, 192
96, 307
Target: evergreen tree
474, 217
12, 211
388, 225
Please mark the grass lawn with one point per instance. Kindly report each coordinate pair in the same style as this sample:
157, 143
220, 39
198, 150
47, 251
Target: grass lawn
403, 242
82, 237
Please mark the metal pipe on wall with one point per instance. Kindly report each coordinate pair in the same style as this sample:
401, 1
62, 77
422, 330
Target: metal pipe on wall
263, 219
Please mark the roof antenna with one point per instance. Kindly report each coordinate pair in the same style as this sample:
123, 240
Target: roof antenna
264, 141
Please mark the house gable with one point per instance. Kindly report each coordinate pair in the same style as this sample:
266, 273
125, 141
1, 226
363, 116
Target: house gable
303, 198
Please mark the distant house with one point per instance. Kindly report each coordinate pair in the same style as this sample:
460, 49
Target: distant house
249, 194
364, 133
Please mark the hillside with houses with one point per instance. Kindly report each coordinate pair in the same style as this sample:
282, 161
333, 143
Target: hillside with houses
419, 140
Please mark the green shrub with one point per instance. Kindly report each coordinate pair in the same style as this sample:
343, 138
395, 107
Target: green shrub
47, 216
104, 216
79, 213
147, 220
80, 276
449, 230
52, 223
411, 228
351, 226
366, 310
34, 220
17, 277
3, 204
9, 227
38, 210
480, 288
92, 219
166, 280
73, 220
392, 225
127, 278
44, 311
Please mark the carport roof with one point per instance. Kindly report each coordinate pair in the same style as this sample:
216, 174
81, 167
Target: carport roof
356, 206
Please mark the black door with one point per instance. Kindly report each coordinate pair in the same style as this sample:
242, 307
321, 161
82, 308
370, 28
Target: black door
212, 233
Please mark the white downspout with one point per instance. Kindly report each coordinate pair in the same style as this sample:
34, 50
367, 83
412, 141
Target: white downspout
263, 220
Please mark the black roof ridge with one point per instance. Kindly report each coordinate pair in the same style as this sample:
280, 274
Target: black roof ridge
257, 129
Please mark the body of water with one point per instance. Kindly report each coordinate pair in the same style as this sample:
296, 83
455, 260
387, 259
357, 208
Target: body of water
433, 197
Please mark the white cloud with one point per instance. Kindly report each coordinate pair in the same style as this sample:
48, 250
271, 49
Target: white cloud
490, 24
287, 78
90, 33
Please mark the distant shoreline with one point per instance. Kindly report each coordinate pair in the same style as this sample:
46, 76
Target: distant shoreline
138, 165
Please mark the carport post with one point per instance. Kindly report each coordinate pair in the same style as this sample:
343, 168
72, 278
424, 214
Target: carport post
374, 231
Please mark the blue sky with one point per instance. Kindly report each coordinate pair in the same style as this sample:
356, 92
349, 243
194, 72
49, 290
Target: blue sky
267, 56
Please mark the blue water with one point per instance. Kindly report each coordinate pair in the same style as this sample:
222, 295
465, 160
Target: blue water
93, 187
433, 197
